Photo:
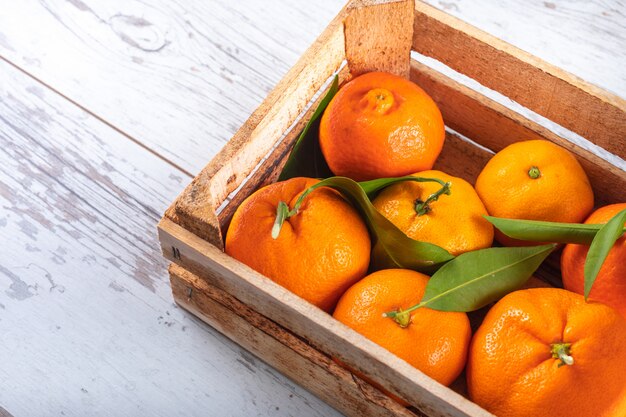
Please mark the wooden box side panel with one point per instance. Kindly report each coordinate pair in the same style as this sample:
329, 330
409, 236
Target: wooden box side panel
304, 319
280, 348
588, 110
494, 126
191, 233
269, 170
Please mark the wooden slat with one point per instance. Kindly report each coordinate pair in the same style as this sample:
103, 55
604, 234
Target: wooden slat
378, 36
270, 168
584, 38
195, 207
494, 126
280, 348
559, 96
305, 320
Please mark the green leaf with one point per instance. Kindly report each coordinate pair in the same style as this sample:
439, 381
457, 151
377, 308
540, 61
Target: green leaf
474, 279
306, 159
601, 246
391, 248
539, 231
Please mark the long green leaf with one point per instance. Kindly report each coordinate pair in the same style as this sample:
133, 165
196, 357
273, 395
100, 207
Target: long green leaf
539, 231
601, 246
391, 247
306, 159
474, 279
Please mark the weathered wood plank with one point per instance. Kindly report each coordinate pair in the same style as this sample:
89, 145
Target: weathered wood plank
494, 126
585, 38
287, 352
597, 115
378, 36
87, 319
306, 320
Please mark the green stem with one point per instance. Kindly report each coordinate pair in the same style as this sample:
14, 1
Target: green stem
534, 172
423, 207
283, 212
402, 316
561, 351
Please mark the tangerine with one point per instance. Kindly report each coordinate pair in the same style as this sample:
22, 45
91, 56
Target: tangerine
535, 180
455, 222
433, 341
318, 253
610, 284
545, 352
380, 125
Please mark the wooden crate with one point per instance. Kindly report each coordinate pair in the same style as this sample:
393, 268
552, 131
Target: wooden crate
286, 331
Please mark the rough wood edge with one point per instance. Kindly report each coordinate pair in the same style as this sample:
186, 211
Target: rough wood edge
546, 89
280, 348
4, 413
302, 318
378, 36
271, 168
495, 126
195, 207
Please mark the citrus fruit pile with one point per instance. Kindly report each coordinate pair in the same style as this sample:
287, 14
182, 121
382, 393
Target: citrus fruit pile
538, 351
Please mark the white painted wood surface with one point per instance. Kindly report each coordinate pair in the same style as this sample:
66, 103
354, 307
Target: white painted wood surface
86, 317
181, 77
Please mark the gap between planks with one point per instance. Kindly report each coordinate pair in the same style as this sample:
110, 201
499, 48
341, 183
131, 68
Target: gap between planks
133, 139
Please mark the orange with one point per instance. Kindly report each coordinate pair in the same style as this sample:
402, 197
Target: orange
535, 180
380, 125
435, 342
610, 284
319, 252
514, 370
453, 222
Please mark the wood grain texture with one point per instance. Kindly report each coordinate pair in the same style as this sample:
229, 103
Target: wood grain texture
595, 114
307, 321
494, 127
286, 352
195, 207
87, 320
290, 354
268, 170
378, 36
585, 38
181, 77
